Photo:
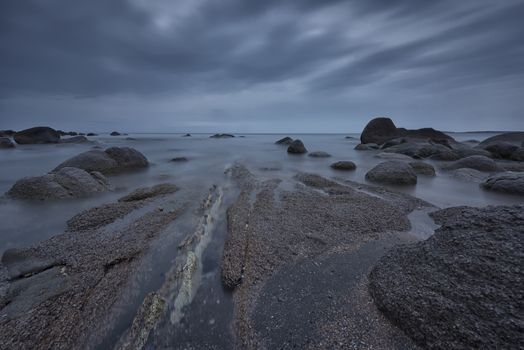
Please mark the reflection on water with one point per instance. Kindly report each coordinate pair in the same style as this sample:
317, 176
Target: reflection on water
26, 223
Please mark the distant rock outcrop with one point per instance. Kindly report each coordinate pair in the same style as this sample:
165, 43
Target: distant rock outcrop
112, 160
5, 142
37, 135
380, 130
516, 138
221, 136
7, 133
68, 182
284, 141
74, 139
115, 133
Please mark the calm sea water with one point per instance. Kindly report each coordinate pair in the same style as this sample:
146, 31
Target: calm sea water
25, 223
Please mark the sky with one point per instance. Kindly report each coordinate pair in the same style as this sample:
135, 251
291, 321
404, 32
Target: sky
261, 65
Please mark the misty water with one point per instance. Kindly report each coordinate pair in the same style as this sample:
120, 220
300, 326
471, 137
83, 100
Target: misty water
25, 223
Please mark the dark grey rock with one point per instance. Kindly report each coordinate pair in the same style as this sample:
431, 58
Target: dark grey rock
115, 133
149, 192
91, 134
508, 182
37, 135
296, 147
480, 163
445, 155
417, 149
518, 154
284, 141
187, 135
319, 154
6, 142
7, 133
179, 159
515, 138
501, 149
467, 174
422, 168
459, 289
221, 136
393, 172
112, 160
393, 156
381, 130
65, 183
344, 165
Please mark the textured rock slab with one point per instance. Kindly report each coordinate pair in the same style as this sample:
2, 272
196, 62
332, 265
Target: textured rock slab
508, 182
393, 172
462, 288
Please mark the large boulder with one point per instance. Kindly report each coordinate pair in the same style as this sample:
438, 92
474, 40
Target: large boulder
508, 182
381, 130
393, 172
37, 135
112, 160
461, 288
516, 138
74, 139
5, 142
480, 163
66, 183
296, 147
501, 149
422, 168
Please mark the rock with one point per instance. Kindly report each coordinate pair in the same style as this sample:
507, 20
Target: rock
112, 160
130, 139
422, 168
37, 135
6, 142
186, 135
380, 130
68, 182
393, 172
319, 154
179, 159
445, 155
284, 141
221, 136
367, 147
74, 139
470, 175
501, 149
115, 133
7, 133
92, 134
460, 288
22, 263
393, 156
350, 138
464, 150
518, 154
508, 182
516, 138
480, 163
149, 192
344, 165
296, 147
417, 149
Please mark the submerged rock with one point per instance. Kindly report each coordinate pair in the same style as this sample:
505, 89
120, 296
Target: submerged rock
479, 163
296, 147
115, 133
186, 135
74, 139
37, 135
344, 165
393, 172
179, 159
284, 141
319, 154
112, 160
508, 182
91, 134
67, 182
6, 142
393, 156
459, 289
149, 192
467, 174
366, 147
422, 168
380, 130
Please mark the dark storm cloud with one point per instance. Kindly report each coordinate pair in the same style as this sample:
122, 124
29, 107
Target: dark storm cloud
93, 50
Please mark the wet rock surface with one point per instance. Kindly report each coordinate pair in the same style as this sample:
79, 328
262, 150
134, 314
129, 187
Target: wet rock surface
295, 258
393, 172
480, 163
68, 182
508, 182
461, 288
284, 141
37, 135
344, 165
63, 293
112, 160
296, 147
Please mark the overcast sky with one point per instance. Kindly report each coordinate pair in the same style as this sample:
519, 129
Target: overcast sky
261, 65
